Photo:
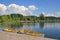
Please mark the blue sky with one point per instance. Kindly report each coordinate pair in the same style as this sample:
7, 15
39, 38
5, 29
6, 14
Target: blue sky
46, 6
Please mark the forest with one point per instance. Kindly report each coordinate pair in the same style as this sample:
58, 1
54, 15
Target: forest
14, 18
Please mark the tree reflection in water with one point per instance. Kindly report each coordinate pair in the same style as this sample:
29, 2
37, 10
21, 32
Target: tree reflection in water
17, 25
41, 24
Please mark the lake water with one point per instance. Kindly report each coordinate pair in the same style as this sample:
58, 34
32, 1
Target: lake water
51, 30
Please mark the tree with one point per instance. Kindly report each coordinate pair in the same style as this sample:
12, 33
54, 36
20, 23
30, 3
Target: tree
4, 18
41, 16
17, 16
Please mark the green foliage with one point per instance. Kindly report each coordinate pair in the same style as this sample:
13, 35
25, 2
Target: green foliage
4, 18
15, 18
41, 16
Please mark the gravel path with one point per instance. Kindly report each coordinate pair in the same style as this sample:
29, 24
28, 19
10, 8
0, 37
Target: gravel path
15, 36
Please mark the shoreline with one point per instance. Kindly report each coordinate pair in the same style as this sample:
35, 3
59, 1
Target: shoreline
14, 36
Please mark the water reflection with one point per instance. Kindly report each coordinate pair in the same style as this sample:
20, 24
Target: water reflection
41, 24
51, 30
31, 24
12, 25
16, 25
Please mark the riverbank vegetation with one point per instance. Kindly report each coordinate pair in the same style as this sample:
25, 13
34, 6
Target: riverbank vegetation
15, 18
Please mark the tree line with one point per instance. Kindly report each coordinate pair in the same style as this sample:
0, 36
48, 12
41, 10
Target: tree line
20, 18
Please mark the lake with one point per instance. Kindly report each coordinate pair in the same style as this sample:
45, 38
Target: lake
51, 30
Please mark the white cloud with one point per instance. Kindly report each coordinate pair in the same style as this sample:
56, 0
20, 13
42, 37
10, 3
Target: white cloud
2, 9
48, 14
58, 14
14, 8
55, 15
32, 7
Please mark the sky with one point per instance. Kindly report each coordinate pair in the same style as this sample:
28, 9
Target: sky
30, 7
